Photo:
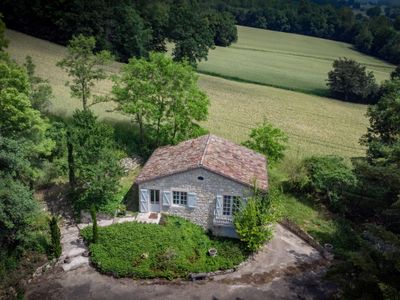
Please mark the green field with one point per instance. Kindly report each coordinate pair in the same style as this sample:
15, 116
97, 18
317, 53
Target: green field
285, 60
315, 125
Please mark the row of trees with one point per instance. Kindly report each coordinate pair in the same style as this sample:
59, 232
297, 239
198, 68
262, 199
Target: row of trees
377, 34
128, 28
26, 147
160, 96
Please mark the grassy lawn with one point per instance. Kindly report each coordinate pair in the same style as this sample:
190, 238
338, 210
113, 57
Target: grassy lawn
320, 224
315, 125
285, 60
171, 250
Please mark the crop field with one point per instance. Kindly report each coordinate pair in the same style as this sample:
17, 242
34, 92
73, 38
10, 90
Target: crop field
285, 60
315, 125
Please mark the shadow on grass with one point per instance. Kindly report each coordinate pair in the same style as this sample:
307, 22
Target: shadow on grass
323, 225
126, 133
131, 198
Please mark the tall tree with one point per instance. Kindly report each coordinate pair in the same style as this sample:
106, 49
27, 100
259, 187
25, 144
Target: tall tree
3, 41
85, 67
18, 119
379, 174
41, 91
190, 31
223, 25
17, 210
396, 73
163, 97
350, 81
96, 166
383, 137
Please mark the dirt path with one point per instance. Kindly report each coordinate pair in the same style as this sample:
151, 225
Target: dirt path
286, 268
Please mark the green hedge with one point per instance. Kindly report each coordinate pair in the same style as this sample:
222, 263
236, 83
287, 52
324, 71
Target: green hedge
171, 250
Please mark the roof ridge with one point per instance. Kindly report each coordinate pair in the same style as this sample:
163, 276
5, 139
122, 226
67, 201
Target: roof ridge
205, 150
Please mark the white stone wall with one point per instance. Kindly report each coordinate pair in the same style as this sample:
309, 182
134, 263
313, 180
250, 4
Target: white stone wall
206, 191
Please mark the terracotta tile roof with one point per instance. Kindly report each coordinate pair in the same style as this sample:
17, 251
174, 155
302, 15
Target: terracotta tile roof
209, 152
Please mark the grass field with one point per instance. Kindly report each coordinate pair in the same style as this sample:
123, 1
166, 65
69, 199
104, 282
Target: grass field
315, 125
285, 60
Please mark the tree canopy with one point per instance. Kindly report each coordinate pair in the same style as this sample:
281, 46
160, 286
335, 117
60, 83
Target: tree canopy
350, 81
19, 120
95, 162
84, 66
3, 41
41, 91
163, 98
127, 28
268, 140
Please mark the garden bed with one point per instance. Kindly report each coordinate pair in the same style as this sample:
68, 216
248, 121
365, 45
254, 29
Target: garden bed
171, 250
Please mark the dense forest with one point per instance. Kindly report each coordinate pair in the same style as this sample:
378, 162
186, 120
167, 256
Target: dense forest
135, 27
126, 28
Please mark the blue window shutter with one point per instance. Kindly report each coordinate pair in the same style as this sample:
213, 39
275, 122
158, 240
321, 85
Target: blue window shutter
218, 206
144, 200
192, 200
166, 198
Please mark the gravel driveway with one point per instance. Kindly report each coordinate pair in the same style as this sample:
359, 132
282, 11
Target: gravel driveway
286, 268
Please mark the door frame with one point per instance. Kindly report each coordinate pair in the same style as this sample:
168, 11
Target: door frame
154, 207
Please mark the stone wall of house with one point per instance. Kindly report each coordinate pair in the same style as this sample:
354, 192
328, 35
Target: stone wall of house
206, 190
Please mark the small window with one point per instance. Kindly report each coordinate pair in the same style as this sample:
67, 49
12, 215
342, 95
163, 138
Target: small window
180, 198
226, 207
200, 178
154, 197
230, 205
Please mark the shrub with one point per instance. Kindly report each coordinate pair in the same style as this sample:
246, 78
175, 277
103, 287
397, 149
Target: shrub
253, 222
329, 177
268, 140
171, 250
297, 176
55, 247
373, 271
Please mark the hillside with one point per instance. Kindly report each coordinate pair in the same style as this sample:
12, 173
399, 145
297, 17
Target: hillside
315, 125
285, 60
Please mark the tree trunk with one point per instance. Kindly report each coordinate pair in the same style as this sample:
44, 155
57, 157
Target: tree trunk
95, 234
84, 97
141, 132
71, 162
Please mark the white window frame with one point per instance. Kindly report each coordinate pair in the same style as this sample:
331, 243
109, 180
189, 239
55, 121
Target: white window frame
154, 192
180, 192
232, 205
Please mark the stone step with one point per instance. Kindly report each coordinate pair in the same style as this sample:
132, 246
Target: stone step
103, 223
75, 252
125, 219
76, 263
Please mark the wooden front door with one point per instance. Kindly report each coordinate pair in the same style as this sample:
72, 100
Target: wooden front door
155, 204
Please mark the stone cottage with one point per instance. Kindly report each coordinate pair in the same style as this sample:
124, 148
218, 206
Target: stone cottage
202, 180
